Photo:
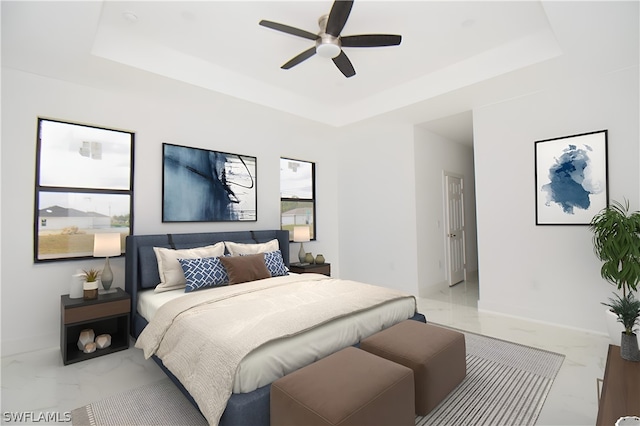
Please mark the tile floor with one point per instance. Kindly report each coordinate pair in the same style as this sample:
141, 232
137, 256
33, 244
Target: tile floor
573, 399
37, 382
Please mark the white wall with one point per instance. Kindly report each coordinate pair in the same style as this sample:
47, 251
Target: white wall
548, 273
377, 206
391, 198
435, 155
174, 113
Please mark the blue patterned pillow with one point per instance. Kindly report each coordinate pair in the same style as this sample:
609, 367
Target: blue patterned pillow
203, 272
275, 263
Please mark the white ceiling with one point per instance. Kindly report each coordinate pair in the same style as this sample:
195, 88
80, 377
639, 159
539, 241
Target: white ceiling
454, 55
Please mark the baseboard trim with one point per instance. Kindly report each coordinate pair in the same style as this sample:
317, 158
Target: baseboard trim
538, 321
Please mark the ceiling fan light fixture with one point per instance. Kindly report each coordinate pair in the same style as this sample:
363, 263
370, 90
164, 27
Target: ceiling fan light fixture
329, 41
328, 50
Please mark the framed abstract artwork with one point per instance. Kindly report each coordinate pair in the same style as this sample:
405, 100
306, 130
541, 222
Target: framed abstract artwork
200, 185
571, 178
84, 186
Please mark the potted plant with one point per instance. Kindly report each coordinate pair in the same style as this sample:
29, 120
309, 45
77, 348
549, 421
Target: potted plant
627, 309
90, 285
616, 242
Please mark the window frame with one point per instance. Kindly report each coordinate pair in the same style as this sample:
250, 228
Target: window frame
79, 245
312, 200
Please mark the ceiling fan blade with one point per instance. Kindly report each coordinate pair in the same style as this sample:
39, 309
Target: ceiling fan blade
299, 58
338, 16
371, 40
344, 65
289, 30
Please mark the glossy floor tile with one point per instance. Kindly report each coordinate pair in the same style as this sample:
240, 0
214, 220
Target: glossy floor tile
573, 399
37, 382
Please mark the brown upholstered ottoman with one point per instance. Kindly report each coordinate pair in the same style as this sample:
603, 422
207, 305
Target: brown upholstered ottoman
436, 355
349, 387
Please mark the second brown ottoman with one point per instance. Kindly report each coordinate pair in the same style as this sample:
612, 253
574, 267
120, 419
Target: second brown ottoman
350, 387
436, 355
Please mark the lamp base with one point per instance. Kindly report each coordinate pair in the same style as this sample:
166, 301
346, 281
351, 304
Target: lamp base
111, 290
106, 276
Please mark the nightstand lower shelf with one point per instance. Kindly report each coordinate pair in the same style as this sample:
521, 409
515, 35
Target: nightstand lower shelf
113, 326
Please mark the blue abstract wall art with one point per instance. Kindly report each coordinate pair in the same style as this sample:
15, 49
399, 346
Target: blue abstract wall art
567, 185
571, 178
199, 185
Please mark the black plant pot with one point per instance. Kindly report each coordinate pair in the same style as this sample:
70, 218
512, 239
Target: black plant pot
629, 347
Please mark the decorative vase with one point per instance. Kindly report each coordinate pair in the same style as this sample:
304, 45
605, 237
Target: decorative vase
90, 290
629, 347
308, 258
76, 290
319, 259
106, 277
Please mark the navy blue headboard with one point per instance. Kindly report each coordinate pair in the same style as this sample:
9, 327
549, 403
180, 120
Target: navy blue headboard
141, 266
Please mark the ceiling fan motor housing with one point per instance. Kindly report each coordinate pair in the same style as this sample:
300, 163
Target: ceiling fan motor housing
328, 46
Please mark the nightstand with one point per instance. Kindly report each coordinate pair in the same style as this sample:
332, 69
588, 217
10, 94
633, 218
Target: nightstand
311, 268
620, 388
108, 314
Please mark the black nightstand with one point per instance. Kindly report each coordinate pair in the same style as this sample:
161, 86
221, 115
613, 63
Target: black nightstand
311, 268
108, 314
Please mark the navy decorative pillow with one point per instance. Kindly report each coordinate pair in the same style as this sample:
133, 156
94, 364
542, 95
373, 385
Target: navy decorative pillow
203, 272
275, 263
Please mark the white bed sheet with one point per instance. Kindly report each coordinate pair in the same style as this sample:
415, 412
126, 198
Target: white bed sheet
280, 357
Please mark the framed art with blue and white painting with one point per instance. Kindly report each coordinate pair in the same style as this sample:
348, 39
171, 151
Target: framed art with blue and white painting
571, 178
199, 185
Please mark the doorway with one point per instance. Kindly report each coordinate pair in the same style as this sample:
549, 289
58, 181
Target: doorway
455, 228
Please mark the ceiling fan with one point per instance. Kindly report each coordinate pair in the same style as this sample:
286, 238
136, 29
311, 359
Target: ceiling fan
329, 42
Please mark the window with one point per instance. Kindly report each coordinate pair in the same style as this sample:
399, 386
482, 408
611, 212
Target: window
84, 185
297, 195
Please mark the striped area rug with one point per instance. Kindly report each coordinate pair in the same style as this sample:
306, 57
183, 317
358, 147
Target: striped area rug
159, 403
506, 384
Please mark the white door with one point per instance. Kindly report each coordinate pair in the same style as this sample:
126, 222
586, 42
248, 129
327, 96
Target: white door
455, 228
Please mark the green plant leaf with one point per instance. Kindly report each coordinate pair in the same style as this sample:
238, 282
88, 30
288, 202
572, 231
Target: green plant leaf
616, 242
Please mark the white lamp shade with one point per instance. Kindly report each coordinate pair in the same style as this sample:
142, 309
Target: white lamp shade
301, 234
105, 245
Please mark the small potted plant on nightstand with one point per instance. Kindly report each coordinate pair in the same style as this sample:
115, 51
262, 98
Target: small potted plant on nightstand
627, 308
90, 286
616, 242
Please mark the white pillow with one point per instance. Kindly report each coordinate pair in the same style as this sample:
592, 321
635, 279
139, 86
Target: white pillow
169, 269
236, 249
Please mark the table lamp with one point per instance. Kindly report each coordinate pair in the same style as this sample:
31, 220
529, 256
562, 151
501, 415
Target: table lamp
300, 235
105, 245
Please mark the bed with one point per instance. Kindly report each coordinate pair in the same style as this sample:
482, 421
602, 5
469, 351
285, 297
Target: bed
157, 315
